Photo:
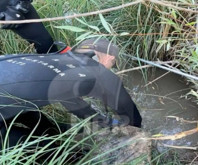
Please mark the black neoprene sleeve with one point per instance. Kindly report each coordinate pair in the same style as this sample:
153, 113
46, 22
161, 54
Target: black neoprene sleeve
36, 33
109, 88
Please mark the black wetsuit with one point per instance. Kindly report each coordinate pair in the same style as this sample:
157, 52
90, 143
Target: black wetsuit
31, 81
27, 81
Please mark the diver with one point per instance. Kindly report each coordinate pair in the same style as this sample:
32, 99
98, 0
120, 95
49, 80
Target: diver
31, 81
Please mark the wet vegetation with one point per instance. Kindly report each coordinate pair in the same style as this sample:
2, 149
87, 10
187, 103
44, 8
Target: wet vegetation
149, 31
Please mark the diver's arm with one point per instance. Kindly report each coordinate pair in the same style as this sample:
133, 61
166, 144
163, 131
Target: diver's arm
36, 33
33, 32
109, 88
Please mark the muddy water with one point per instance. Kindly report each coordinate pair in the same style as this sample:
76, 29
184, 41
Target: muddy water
161, 100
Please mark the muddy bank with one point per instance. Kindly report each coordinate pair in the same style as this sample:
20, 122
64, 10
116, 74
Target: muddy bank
123, 145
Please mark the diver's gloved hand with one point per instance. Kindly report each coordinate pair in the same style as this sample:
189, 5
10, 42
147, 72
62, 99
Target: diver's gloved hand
115, 122
110, 122
15, 12
9, 15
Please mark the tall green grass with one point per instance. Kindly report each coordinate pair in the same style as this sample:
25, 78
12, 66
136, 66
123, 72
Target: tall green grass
149, 31
24, 153
71, 148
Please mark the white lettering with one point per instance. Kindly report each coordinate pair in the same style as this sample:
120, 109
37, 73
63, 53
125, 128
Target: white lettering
9, 60
22, 63
57, 70
62, 74
45, 64
28, 59
71, 66
16, 62
51, 67
55, 60
82, 75
40, 62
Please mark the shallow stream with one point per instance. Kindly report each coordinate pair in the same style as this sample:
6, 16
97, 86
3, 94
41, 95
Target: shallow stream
161, 102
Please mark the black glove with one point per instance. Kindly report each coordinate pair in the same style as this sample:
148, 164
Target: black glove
23, 6
15, 12
11, 14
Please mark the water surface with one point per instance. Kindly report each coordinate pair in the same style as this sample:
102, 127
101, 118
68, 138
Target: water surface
161, 101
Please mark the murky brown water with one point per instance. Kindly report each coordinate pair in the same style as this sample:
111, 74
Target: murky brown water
161, 99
